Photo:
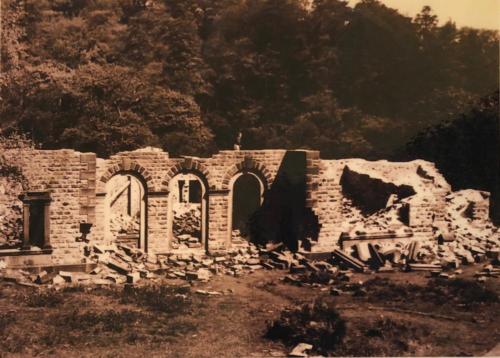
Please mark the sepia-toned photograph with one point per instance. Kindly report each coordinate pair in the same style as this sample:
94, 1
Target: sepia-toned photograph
249, 178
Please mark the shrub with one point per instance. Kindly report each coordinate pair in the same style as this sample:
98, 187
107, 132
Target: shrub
464, 291
48, 298
318, 324
321, 277
438, 291
6, 318
97, 321
166, 299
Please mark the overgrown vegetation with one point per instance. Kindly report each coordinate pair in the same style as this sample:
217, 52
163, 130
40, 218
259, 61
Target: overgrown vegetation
13, 181
392, 318
437, 291
48, 298
385, 337
317, 323
170, 300
98, 321
11, 168
6, 318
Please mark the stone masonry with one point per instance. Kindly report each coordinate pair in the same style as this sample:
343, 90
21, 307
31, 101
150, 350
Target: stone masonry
77, 185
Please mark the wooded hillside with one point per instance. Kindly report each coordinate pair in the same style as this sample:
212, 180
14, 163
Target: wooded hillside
187, 75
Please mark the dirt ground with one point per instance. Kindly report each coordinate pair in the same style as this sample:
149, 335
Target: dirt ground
395, 317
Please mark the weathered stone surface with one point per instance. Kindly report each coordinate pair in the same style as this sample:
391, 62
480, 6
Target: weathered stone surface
414, 200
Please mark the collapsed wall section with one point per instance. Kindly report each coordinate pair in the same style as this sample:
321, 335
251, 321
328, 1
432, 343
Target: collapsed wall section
362, 197
371, 194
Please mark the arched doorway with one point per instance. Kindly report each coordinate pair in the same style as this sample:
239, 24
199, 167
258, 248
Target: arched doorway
188, 211
247, 195
125, 206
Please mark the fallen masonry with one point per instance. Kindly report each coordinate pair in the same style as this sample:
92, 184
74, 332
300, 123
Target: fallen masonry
121, 264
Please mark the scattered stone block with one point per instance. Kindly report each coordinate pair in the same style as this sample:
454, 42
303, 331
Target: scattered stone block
292, 280
294, 268
300, 350
67, 276
58, 280
363, 251
424, 267
349, 260
376, 259
253, 261
119, 267
413, 251
45, 277
203, 274
133, 277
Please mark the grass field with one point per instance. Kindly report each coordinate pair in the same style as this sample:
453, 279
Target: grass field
387, 314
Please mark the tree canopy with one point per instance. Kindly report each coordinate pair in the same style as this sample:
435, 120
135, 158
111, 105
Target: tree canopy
187, 75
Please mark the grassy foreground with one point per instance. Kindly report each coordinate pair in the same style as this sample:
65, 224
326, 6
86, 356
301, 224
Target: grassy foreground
391, 314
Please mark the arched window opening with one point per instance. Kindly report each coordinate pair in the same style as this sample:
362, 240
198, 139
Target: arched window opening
247, 198
126, 206
188, 211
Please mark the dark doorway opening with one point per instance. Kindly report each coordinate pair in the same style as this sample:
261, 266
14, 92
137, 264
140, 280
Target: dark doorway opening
246, 201
283, 216
195, 191
37, 224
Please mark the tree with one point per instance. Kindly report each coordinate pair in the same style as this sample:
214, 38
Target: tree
104, 109
466, 148
258, 54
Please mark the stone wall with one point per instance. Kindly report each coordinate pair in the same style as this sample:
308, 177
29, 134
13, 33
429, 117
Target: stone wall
68, 177
77, 183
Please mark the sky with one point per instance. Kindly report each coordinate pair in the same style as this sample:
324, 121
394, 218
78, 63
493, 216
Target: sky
484, 14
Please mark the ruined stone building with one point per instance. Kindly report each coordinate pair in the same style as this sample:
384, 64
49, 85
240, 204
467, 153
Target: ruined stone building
146, 199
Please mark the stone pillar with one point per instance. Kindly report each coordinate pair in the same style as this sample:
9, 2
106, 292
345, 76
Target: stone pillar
46, 226
156, 222
26, 226
219, 232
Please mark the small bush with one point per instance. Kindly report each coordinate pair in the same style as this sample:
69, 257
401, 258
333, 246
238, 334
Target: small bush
321, 277
166, 299
105, 321
437, 291
48, 298
318, 324
464, 291
383, 337
6, 318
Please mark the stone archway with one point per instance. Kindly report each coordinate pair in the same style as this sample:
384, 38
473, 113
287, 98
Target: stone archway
125, 210
187, 212
247, 195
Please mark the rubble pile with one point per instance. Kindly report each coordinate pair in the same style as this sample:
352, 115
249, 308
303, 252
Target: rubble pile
120, 264
125, 224
238, 238
468, 235
386, 220
187, 226
382, 241
10, 213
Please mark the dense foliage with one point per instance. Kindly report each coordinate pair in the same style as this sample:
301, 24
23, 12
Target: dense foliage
187, 75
